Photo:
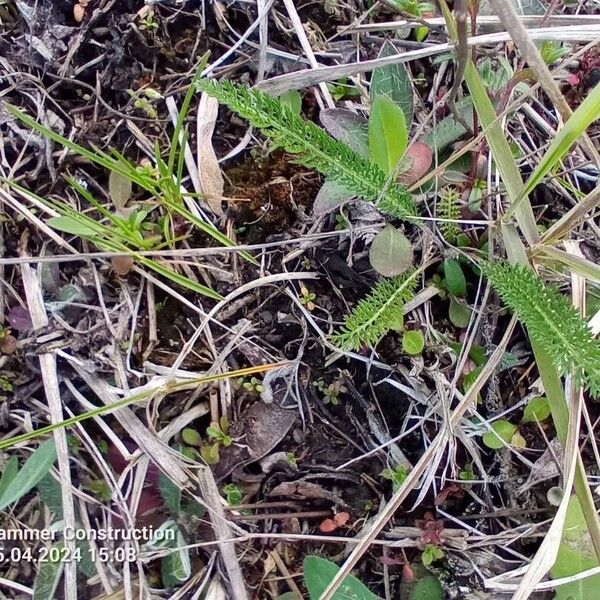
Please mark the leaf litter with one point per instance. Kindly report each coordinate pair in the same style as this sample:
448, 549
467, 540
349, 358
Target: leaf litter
304, 457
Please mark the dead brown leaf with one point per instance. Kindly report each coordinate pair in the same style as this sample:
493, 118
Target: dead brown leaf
209, 171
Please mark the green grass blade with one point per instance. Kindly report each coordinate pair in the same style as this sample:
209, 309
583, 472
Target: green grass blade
511, 176
97, 156
206, 228
587, 112
185, 107
181, 280
165, 389
577, 264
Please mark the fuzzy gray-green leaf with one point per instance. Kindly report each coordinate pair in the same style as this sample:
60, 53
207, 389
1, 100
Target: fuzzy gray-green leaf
8, 474
393, 81
48, 575
391, 252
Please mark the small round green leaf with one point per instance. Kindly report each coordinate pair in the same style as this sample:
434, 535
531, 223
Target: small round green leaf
191, 437
427, 588
518, 441
455, 278
458, 313
501, 434
537, 409
391, 252
413, 342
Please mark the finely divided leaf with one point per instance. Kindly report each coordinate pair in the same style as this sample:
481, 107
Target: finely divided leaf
315, 149
376, 314
550, 320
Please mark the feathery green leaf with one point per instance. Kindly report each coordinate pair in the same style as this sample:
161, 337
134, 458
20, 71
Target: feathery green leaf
550, 320
449, 210
314, 147
376, 314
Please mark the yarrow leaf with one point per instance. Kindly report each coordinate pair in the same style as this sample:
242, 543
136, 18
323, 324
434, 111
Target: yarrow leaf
376, 314
449, 212
550, 320
314, 148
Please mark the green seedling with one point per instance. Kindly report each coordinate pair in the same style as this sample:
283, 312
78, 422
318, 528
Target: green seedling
466, 473
233, 493
552, 51
430, 554
331, 392
307, 298
145, 101
253, 385
220, 432
342, 90
397, 476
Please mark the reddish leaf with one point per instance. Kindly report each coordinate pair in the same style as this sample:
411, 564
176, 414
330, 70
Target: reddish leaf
150, 497
8, 345
407, 573
341, 519
432, 530
149, 500
118, 462
421, 158
19, 319
122, 264
453, 490
327, 526
390, 561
